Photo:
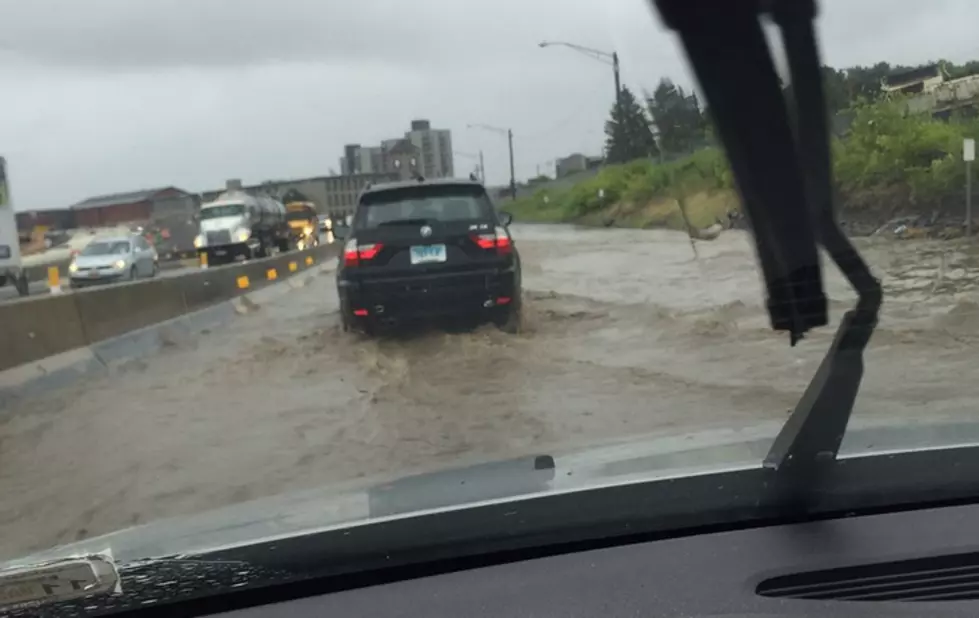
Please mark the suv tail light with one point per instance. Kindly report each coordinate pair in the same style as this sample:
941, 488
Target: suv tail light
354, 254
498, 240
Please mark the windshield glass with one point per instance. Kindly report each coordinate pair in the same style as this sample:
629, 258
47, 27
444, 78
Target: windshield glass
535, 246
430, 204
106, 248
224, 210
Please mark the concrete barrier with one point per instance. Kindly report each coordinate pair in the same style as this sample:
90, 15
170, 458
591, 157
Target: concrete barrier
207, 286
116, 309
35, 328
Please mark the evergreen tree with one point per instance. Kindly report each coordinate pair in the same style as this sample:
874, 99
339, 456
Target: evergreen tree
678, 118
628, 134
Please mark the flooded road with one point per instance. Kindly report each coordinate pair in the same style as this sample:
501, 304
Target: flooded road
627, 332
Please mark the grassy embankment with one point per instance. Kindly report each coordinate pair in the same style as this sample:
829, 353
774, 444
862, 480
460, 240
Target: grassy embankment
640, 194
889, 163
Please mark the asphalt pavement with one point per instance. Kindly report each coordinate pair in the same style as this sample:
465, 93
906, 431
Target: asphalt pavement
626, 333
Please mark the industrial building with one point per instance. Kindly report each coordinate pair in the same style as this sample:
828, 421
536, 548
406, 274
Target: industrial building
334, 195
574, 163
118, 208
133, 207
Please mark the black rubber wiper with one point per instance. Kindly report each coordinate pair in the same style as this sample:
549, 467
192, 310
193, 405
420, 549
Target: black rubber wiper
780, 155
404, 222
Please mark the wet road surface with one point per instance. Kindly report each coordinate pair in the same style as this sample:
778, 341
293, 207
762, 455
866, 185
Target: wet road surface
626, 332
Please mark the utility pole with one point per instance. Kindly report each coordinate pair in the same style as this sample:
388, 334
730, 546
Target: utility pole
509, 135
969, 155
481, 168
513, 178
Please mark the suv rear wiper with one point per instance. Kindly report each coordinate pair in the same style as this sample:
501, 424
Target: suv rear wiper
405, 222
779, 153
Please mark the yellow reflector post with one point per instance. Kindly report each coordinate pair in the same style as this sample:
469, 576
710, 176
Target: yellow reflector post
203, 258
293, 266
54, 277
309, 260
271, 274
243, 282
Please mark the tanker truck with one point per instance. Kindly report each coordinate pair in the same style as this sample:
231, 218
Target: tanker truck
238, 224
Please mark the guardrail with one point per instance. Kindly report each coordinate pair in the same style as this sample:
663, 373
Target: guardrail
34, 328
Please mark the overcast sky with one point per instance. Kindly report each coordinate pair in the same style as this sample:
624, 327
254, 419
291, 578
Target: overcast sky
101, 96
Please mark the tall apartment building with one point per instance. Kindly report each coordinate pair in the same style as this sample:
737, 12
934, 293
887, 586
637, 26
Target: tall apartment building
359, 159
435, 146
422, 150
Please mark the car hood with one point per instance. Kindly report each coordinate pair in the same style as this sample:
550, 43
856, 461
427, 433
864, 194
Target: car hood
338, 506
99, 261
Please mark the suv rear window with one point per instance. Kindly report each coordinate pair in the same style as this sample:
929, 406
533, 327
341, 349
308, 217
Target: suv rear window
423, 203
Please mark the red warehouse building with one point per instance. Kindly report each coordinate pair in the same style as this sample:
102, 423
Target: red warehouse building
132, 207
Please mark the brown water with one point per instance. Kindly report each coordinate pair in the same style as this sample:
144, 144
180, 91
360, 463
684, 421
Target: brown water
626, 332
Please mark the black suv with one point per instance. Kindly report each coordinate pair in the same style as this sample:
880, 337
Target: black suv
427, 249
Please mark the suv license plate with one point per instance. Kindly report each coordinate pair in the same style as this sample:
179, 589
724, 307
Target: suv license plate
426, 254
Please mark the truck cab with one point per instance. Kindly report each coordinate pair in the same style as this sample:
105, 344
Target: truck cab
303, 223
238, 224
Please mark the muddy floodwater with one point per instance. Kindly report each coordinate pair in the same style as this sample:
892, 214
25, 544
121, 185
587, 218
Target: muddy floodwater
626, 333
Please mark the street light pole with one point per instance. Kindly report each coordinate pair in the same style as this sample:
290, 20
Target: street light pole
603, 57
618, 82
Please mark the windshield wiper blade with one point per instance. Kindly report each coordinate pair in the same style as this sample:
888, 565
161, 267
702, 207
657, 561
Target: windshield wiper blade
781, 160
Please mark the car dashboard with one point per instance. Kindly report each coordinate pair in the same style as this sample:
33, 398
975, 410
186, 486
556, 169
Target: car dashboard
913, 563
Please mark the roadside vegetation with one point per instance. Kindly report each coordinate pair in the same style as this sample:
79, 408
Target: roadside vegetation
887, 162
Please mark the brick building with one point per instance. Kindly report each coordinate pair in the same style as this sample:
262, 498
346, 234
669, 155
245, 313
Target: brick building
134, 206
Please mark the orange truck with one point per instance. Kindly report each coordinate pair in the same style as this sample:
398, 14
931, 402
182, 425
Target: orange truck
304, 223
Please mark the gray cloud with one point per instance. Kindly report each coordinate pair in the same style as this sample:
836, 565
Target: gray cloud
125, 34
111, 95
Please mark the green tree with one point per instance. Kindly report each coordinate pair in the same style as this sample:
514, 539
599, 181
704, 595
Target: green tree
678, 118
627, 131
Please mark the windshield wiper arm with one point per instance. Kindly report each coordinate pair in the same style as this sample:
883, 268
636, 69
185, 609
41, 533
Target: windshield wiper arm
814, 431
781, 159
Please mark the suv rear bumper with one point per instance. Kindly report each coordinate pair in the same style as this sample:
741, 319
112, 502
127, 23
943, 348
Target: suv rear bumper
428, 296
